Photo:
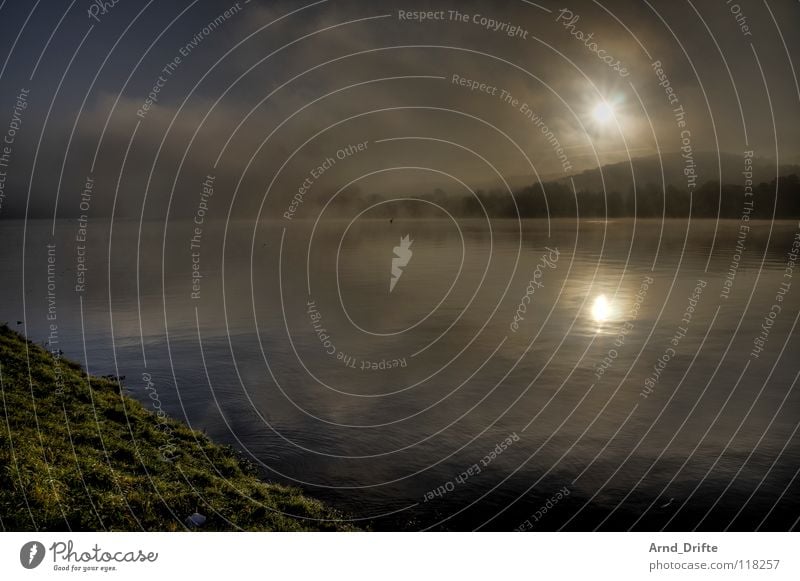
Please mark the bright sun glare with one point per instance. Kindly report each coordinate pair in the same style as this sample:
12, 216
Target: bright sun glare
601, 309
603, 113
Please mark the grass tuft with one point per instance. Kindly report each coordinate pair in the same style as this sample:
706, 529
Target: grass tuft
86, 457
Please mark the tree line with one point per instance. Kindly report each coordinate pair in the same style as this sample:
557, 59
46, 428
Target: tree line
779, 198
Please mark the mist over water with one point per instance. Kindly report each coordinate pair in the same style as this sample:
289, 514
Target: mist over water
609, 362
455, 266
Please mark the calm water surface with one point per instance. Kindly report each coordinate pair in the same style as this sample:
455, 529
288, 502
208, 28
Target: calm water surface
431, 405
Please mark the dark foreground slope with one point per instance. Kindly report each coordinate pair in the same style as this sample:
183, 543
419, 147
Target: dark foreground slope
77, 454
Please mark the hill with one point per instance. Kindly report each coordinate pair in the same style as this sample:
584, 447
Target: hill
726, 168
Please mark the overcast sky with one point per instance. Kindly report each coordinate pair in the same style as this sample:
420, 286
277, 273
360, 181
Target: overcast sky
268, 91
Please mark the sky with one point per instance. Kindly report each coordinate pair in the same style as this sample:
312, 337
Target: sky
260, 95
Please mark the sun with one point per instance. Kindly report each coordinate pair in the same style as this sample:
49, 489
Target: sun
603, 112
601, 309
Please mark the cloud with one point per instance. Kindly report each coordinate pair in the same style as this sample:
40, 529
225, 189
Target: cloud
330, 82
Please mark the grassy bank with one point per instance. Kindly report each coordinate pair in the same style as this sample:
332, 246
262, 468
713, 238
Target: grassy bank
77, 454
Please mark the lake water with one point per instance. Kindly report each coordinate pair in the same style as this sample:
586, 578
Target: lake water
490, 389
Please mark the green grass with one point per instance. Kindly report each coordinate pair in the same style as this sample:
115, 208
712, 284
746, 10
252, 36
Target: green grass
77, 454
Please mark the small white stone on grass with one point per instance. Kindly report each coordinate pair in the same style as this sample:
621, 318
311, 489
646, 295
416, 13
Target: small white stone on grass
195, 520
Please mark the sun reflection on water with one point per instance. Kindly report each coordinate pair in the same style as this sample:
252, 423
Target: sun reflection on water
601, 309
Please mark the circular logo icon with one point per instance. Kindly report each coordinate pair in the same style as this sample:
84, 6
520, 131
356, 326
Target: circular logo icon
31, 554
